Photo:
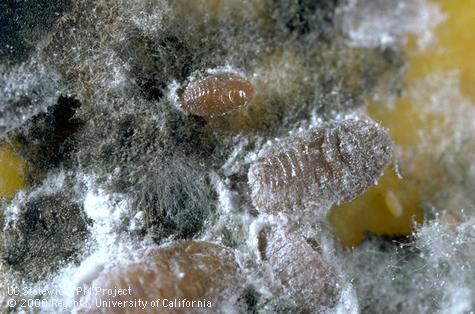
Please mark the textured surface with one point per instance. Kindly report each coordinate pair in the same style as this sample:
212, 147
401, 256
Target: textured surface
330, 164
307, 277
217, 94
25, 91
50, 231
145, 172
192, 270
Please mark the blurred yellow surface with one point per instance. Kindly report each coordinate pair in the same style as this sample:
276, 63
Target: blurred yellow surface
391, 207
12, 169
453, 48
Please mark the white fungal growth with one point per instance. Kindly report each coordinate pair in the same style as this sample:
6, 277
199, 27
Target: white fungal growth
372, 23
26, 90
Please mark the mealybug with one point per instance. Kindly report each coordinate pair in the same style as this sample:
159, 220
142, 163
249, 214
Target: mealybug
191, 270
330, 164
306, 276
216, 94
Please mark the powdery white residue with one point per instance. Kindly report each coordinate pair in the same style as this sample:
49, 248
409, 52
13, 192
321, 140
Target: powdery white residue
226, 197
259, 224
12, 211
348, 303
148, 16
138, 222
26, 90
106, 211
52, 184
436, 270
172, 93
239, 156
449, 141
458, 300
227, 68
449, 252
232, 216
439, 93
372, 23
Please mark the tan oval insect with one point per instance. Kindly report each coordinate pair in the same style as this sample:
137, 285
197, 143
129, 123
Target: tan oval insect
192, 270
307, 277
217, 94
320, 167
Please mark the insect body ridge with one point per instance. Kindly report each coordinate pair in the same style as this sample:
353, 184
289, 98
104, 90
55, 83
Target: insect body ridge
329, 164
217, 94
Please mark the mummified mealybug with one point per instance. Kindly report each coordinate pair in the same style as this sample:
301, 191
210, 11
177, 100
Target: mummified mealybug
330, 164
192, 270
216, 94
307, 277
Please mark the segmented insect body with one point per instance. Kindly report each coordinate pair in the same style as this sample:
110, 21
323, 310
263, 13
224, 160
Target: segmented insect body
308, 278
330, 164
217, 94
192, 270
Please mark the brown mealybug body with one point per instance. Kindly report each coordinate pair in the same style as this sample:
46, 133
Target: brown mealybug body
216, 94
304, 273
192, 270
330, 164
